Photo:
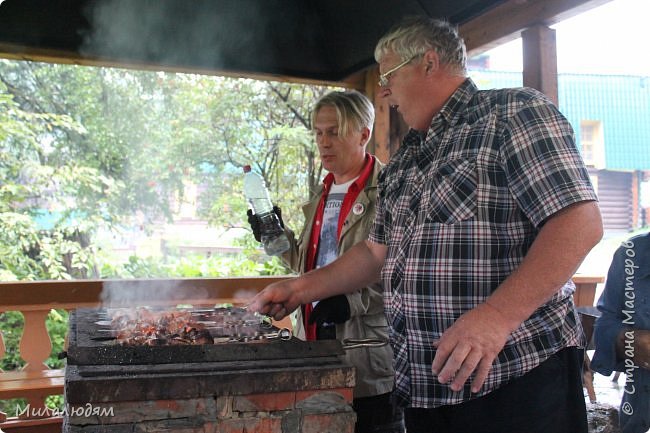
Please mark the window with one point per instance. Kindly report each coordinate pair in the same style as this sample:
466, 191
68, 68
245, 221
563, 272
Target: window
591, 143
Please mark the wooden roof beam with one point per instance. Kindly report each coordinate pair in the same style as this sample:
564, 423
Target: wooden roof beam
32, 54
505, 22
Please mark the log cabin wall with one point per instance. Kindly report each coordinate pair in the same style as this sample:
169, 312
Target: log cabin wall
615, 196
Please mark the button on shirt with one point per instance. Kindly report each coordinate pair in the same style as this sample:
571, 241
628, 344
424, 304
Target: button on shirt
458, 210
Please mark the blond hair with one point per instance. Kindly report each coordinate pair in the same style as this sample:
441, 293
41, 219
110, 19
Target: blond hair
354, 111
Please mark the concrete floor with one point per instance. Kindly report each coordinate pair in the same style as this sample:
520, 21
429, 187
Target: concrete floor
607, 390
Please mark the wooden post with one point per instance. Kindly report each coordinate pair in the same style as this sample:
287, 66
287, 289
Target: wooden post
380, 144
35, 343
3, 416
35, 347
389, 126
540, 60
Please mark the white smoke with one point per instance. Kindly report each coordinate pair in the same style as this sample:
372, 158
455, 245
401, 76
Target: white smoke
132, 293
138, 293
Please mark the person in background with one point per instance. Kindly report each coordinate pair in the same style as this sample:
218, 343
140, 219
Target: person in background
483, 216
337, 216
622, 332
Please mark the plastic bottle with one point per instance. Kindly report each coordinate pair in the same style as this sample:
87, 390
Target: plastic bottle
273, 237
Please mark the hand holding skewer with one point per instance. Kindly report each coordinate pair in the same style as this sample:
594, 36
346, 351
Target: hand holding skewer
276, 300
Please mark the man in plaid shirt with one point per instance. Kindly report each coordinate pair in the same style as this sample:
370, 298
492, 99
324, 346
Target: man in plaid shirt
483, 216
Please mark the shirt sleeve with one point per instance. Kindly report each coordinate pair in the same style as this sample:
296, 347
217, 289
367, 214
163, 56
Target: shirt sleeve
544, 167
609, 325
378, 229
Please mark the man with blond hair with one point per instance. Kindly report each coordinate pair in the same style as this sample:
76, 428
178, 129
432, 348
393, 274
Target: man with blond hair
339, 215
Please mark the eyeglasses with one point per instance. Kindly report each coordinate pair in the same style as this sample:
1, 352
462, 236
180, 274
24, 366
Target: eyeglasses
383, 78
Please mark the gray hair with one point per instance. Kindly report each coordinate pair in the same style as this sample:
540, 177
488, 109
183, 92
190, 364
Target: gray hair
353, 110
414, 36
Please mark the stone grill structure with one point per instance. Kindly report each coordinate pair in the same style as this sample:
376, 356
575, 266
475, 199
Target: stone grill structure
270, 386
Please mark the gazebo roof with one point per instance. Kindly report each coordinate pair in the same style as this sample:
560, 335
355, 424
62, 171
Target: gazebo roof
301, 40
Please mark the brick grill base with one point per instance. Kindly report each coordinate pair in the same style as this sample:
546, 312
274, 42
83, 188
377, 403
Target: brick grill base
256, 387
291, 400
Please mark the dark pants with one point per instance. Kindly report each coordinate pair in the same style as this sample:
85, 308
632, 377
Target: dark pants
547, 399
378, 414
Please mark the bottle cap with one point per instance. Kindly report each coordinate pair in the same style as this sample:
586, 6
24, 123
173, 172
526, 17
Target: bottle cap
247, 168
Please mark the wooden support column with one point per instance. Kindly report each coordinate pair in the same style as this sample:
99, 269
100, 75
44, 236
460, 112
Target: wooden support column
380, 142
540, 60
389, 126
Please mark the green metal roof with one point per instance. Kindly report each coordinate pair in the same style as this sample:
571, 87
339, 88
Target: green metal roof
621, 103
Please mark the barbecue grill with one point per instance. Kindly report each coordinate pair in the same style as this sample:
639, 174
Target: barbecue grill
261, 362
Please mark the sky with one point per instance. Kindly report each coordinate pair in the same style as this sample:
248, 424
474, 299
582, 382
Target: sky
611, 39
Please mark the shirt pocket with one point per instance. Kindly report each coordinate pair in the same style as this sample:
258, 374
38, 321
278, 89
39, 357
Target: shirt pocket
450, 192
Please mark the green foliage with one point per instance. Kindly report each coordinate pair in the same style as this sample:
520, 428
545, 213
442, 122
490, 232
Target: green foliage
18, 237
245, 263
99, 149
11, 324
57, 327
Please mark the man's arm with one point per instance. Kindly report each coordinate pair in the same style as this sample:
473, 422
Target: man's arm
609, 327
472, 343
358, 267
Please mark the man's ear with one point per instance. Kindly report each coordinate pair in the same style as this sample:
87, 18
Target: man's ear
365, 135
431, 61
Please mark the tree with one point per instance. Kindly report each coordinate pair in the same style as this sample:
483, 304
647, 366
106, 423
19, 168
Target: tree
112, 148
25, 183
264, 124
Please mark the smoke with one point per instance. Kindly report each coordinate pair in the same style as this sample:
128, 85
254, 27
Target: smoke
134, 293
143, 32
204, 34
128, 293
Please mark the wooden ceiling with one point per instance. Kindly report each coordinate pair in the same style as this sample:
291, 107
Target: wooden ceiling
320, 41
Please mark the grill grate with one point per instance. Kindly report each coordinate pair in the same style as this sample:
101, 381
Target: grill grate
89, 345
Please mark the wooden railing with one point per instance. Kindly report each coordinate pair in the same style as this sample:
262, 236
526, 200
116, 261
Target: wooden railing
35, 381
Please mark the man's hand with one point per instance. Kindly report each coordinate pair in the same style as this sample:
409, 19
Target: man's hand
340, 276
276, 300
331, 310
469, 346
256, 226
642, 348
637, 339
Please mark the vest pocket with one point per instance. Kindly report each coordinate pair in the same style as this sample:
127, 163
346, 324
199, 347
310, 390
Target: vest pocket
381, 358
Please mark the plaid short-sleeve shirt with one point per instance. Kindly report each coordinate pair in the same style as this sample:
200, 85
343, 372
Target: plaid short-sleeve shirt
458, 209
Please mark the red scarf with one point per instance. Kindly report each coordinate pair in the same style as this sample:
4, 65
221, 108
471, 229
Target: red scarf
348, 201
